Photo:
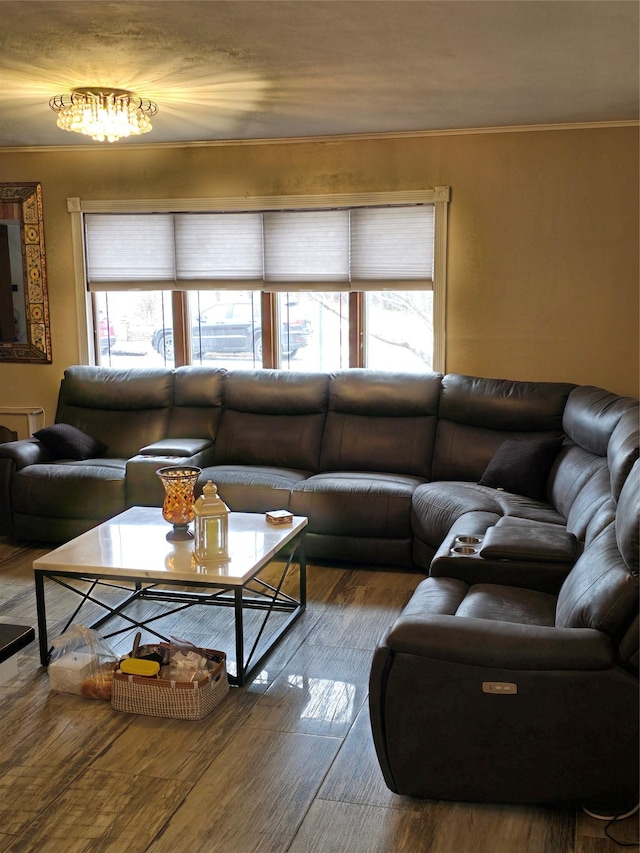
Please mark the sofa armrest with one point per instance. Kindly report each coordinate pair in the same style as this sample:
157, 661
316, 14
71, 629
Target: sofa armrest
501, 645
473, 568
182, 447
533, 543
144, 487
15, 455
26, 451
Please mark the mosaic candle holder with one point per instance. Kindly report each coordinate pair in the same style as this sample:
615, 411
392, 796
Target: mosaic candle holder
177, 509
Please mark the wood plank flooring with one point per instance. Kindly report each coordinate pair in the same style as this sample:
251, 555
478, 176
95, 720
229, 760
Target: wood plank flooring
284, 765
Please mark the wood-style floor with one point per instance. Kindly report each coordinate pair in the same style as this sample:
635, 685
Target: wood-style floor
285, 764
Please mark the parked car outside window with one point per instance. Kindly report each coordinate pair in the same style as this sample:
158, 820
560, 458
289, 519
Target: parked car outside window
234, 327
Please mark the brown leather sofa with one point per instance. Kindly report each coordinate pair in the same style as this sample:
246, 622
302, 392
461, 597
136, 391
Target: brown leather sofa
390, 469
386, 466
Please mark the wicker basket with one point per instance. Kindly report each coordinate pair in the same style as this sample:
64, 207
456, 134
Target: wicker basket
181, 700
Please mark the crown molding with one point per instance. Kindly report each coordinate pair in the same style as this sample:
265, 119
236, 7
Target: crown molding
306, 140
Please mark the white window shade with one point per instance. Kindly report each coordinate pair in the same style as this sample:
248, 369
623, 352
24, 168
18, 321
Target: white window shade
392, 246
220, 249
360, 248
310, 247
130, 251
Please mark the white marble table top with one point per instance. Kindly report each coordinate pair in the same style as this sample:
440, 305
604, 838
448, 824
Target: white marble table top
134, 545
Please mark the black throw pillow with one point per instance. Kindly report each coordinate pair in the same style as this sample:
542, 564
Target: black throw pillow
522, 465
69, 442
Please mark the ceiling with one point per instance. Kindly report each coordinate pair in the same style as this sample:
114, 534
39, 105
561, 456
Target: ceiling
260, 69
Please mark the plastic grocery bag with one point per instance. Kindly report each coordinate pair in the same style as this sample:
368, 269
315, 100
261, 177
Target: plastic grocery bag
82, 662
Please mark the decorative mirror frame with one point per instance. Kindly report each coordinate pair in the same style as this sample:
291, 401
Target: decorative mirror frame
23, 202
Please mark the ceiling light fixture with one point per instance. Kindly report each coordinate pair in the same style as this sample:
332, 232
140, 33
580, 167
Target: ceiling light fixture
104, 113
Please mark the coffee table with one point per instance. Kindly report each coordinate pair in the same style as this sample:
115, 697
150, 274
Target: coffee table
130, 552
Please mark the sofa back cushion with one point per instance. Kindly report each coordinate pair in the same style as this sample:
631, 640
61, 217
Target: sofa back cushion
197, 402
586, 513
124, 409
628, 520
623, 449
379, 421
477, 415
601, 590
574, 470
591, 415
272, 417
592, 418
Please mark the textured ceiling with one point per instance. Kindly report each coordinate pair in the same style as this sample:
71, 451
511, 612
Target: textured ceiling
239, 69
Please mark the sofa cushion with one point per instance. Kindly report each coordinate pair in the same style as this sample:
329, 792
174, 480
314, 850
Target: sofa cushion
586, 506
476, 415
198, 394
600, 591
380, 421
628, 520
273, 418
508, 604
250, 488
522, 465
571, 472
69, 442
504, 404
92, 489
623, 449
592, 414
126, 409
356, 503
436, 506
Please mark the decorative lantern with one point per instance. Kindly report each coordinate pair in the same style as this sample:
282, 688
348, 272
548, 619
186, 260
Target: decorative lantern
211, 525
177, 509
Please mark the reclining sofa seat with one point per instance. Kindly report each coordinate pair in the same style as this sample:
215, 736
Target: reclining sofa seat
147, 418
600, 446
491, 693
269, 437
476, 416
377, 448
54, 499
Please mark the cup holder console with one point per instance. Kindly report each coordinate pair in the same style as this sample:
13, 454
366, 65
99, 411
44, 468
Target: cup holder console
466, 545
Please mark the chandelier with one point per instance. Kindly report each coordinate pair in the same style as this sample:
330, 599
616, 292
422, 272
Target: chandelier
104, 113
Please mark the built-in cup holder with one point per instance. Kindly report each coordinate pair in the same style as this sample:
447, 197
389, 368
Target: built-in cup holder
468, 540
464, 551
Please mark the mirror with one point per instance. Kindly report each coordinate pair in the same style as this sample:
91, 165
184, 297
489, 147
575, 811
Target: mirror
24, 301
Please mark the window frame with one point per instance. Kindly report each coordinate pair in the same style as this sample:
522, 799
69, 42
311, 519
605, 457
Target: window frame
438, 196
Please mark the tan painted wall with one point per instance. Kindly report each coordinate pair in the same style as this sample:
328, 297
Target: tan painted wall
543, 240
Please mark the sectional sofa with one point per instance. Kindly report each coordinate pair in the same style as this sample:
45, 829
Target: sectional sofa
384, 465
391, 469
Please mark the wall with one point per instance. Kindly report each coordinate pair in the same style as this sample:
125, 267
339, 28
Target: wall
543, 239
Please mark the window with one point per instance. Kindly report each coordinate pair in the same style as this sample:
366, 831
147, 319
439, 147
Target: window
399, 330
314, 282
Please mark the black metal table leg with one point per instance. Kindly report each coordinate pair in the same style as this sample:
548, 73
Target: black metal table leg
239, 625
302, 567
43, 641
